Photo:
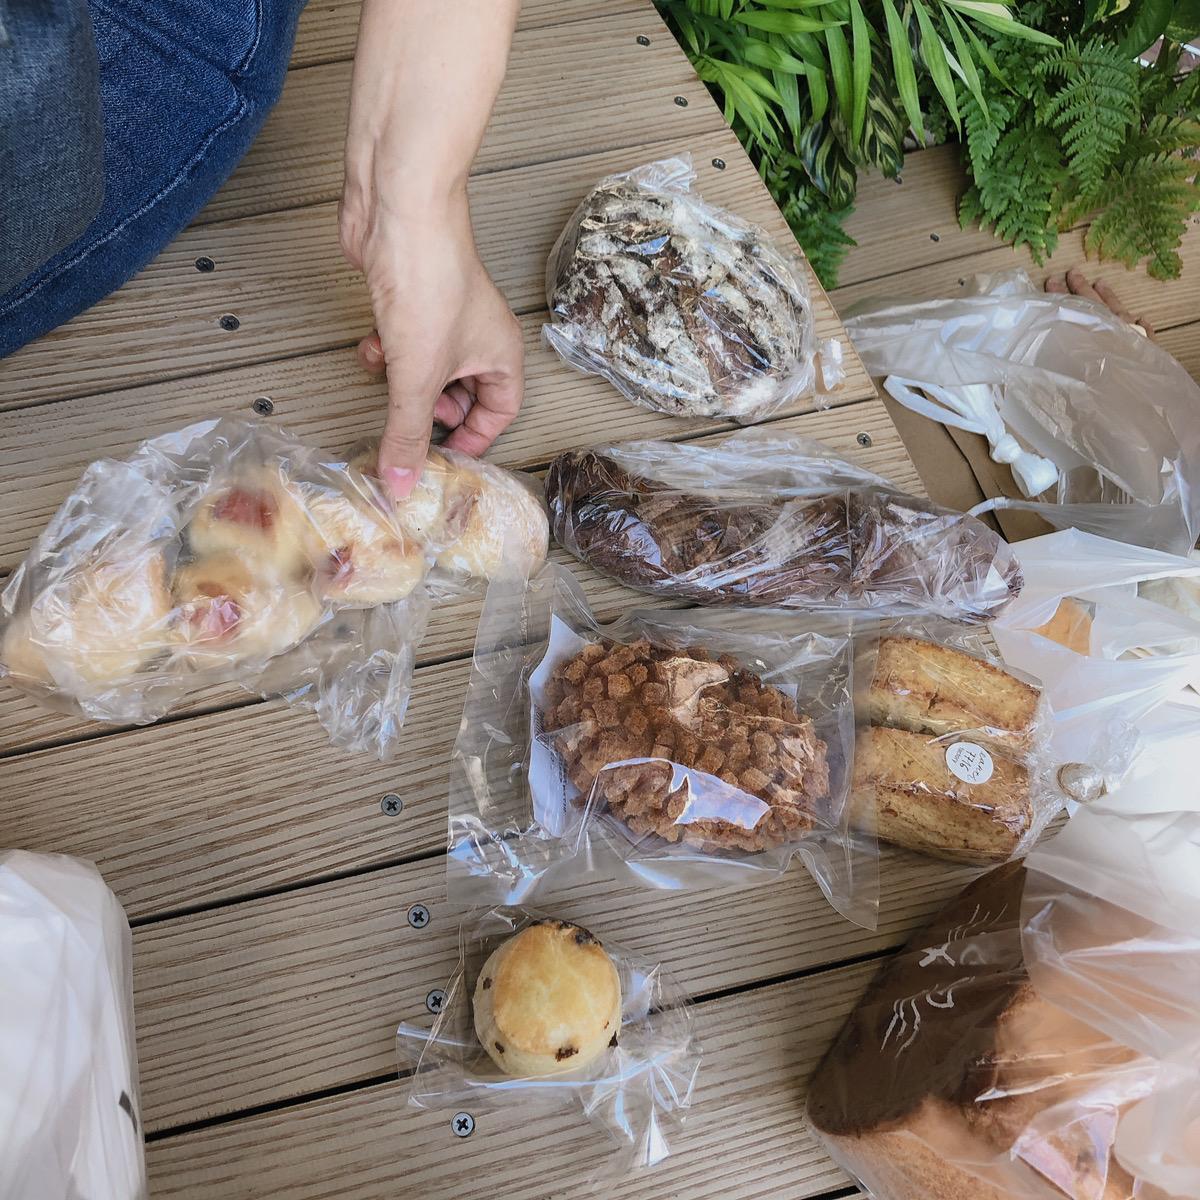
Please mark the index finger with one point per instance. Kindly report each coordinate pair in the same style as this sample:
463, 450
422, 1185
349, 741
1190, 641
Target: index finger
497, 402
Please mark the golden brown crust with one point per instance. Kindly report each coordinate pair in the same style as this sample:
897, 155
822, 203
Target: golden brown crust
920, 803
548, 999
685, 709
929, 688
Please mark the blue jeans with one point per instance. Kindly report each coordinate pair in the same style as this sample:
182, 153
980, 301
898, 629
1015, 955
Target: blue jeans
182, 86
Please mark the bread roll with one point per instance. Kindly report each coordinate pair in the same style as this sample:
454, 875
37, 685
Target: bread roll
547, 1001
358, 558
255, 516
1071, 626
94, 627
922, 804
230, 611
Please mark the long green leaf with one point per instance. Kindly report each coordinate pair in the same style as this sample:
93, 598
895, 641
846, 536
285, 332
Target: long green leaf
966, 63
1009, 27
839, 68
763, 54
985, 56
782, 22
934, 54
861, 73
788, 87
902, 65
793, 4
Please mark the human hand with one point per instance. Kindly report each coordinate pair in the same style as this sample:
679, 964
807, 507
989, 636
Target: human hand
451, 348
1075, 282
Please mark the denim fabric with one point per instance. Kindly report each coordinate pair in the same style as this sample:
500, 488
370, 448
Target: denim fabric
184, 87
51, 139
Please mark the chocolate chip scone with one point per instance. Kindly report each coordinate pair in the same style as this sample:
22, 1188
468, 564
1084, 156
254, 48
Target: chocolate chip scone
684, 308
665, 709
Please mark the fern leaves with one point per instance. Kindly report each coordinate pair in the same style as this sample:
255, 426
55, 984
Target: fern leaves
1094, 107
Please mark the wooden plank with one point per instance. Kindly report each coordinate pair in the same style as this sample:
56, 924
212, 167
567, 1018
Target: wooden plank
209, 808
284, 996
570, 90
1163, 303
284, 277
326, 399
328, 28
745, 1135
1184, 342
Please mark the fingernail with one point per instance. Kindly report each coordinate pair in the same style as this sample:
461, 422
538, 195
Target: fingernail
399, 481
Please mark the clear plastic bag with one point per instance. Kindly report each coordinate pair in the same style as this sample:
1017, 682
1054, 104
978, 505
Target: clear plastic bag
70, 1114
1039, 1040
684, 308
229, 551
1073, 383
1106, 655
770, 520
630, 1061
671, 749
951, 753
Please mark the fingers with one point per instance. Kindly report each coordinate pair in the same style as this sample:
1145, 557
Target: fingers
1057, 284
405, 442
1079, 286
453, 405
1109, 297
370, 354
497, 400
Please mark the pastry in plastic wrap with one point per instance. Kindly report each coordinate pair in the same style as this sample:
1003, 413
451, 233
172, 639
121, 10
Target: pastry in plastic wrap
95, 627
954, 1080
683, 307
547, 1001
949, 757
221, 551
764, 544
686, 746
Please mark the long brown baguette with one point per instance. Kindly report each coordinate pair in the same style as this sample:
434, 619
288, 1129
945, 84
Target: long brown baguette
861, 547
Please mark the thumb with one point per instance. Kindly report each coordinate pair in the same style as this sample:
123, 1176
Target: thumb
405, 441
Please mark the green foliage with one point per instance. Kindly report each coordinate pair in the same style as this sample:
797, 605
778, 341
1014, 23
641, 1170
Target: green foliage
1086, 133
1058, 120
818, 90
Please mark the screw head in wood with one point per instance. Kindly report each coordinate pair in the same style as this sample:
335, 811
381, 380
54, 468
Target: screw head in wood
391, 805
719, 163
682, 101
935, 237
463, 1124
643, 40
204, 264
264, 406
435, 1001
229, 322
418, 916
863, 439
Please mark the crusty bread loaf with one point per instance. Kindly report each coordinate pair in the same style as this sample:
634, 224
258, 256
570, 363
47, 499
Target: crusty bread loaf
953, 1080
920, 803
929, 688
1070, 626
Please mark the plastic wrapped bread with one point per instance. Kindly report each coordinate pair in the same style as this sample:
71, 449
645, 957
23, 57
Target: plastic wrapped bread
223, 551
683, 307
773, 521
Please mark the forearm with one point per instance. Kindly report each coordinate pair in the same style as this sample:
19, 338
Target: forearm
426, 75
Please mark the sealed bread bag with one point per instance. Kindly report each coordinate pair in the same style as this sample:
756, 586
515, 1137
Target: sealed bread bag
230, 551
1039, 1040
773, 521
542, 1015
951, 755
683, 307
671, 749
70, 1114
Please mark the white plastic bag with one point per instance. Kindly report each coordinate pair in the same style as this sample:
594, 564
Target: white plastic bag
1072, 383
231, 552
1139, 653
683, 307
70, 1116
637, 1089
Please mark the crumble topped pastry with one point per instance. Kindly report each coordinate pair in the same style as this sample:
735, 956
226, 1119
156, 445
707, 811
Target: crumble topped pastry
719, 759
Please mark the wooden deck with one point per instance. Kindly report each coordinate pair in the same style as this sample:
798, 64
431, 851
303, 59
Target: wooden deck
267, 890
